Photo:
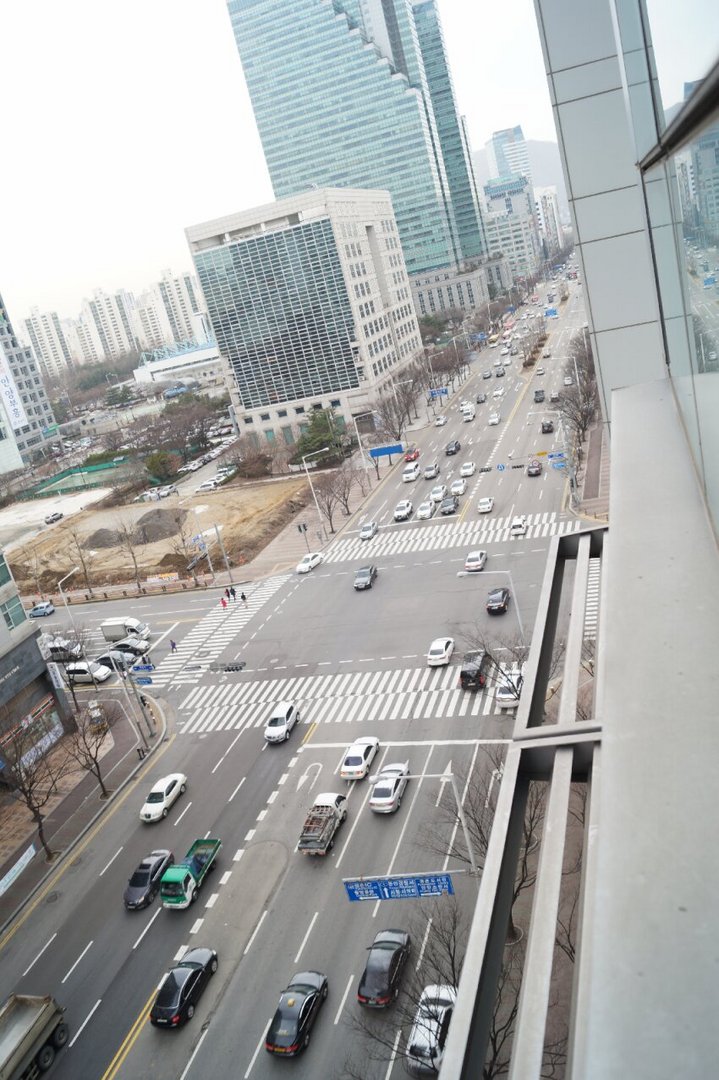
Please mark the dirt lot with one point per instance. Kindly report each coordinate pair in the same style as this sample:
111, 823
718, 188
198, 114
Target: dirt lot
248, 515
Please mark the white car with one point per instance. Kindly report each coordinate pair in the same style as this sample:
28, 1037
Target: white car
388, 788
504, 351
498, 393
368, 530
440, 421
428, 1034
475, 561
464, 404
87, 671
208, 485
458, 487
440, 651
509, 691
309, 562
468, 469
359, 757
518, 526
403, 510
284, 717
438, 492
486, 505
539, 371
494, 419
162, 796
567, 380
426, 510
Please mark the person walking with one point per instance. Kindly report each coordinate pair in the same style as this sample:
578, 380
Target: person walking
233, 594
223, 602
227, 594
243, 598
173, 646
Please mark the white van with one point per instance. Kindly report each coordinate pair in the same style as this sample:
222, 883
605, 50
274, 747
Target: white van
411, 472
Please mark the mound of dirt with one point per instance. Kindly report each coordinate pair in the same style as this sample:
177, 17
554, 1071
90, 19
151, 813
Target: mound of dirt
102, 538
158, 525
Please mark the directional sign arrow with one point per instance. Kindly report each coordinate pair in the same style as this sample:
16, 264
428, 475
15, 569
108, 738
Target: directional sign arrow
306, 775
444, 779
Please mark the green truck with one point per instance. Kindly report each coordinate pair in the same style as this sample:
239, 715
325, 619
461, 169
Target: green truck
182, 881
32, 1030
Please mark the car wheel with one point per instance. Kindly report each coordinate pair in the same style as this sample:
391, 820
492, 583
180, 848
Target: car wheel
164, 812
45, 1058
325, 989
60, 1036
213, 966
190, 1011
183, 789
399, 802
287, 735
344, 812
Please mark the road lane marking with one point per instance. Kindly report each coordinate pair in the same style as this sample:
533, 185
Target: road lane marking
344, 998
42, 950
109, 864
225, 877
196, 925
176, 823
250, 834
394, 1054
193, 1055
262, 814
89, 944
425, 937
226, 752
236, 789
255, 932
257, 1050
212, 900
304, 939
147, 927
87, 1019
180, 953
309, 733
238, 854
129, 1040
272, 797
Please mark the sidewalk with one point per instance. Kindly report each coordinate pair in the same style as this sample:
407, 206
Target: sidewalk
594, 481
67, 817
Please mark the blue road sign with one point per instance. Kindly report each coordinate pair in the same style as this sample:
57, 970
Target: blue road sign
385, 451
555, 454
501, 468
558, 465
438, 391
143, 680
143, 667
403, 887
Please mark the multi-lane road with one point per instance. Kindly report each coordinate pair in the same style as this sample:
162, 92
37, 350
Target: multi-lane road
355, 662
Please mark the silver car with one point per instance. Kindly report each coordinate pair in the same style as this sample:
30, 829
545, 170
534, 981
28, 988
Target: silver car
388, 788
428, 1035
368, 530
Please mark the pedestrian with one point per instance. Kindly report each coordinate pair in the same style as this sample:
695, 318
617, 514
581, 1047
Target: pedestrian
173, 645
243, 598
223, 602
227, 594
233, 594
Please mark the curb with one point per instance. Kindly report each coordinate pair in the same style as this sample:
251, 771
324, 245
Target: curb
83, 832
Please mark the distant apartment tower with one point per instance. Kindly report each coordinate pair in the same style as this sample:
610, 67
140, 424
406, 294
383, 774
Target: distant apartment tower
83, 341
511, 224
26, 419
343, 97
180, 301
110, 315
310, 303
151, 325
47, 337
547, 209
507, 154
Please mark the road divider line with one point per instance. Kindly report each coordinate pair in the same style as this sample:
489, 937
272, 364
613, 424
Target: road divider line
177, 822
238, 854
42, 950
304, 939
250, 833
310, 732
147, 927
344, 998
236, 789
86, 1021
193, 1055
196, 925
257, 1050
255, 932
212, 900
425, 938
89, 944
225, 877
129, 1040
394, 1053
109, 864
261, 815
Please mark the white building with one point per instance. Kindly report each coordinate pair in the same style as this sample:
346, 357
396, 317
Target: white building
150, 322
47, 337
26, 418
547, 210
83, 341
180, 299
511, 224
111, 316
507, 154
448, 289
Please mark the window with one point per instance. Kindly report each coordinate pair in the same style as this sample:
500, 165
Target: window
248, 419
5, 574
264, 416
13, 613
299, 409
282, 412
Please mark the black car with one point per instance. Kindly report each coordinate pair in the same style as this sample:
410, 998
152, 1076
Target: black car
182, 988
449, 505
143, 886
382, 975
500, 373
498, 601
290, 1028
365, 576
475, 669
115, 659
547, 427
481, 398
534, 468
453, 447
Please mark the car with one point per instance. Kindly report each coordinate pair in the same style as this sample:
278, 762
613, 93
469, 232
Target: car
468, 469
364, 577
359, 757
309, 562
498, 393
144, 885
208, 485
475, 561
403, 510
459, 486
539, 371
534, 468
430, 471
498, 601
440, 651
426, 510
411, 455
166, 490
428, 1034
546, 354
452, 447
299, 1005
41, 609
504, 351
486, 374
547, 427
509, 691
440, 421
494, 344
475, 670
388, 787
567, 380
518, 526
464, 404
382, 975
52, 518
438, 492
494, 419
514, 351
162, 796
135, 646
449, 505
486, 504
279, 726
85, 671
500, 373
61, 649
182, 988
481, 398
115, 659
368, 530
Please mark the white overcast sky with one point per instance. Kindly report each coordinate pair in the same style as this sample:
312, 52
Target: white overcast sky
125, 122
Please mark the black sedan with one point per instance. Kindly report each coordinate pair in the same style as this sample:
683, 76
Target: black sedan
115, 659
547, 427
498, 601
291, 1026
449, 505
453, 447
182, 988
143, 886
364, 577
382, 975
534, 468
481, 398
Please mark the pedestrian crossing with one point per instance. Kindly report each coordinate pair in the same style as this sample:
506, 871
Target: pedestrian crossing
591, 612
351, 697
436, 537
206, 642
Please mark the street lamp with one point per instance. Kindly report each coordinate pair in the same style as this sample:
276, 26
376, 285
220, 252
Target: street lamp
359, 441
312, 488
64, 600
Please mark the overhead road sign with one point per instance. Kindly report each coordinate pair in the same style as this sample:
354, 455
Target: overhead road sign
385, 451
400, 887
143, 667
144, 680
438, 391
555, 454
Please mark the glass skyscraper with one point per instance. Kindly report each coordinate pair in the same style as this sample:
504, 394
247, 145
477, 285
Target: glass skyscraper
343, 97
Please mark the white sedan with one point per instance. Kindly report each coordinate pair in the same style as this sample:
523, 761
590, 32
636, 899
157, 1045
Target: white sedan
486, 505
494, 419
440, 651
368, 530
388, 788
459, 486
309, 562
426, 510
475, 561
468, 469
438, 492
162, 796
567, 380
359, 757
440, 421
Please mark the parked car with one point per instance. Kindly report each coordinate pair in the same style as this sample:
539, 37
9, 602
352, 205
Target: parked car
309, 562
144, 885
554, 396
509, 691
85, 671
364, 577
388, 787
299, 1005
498, 601
567, 380
428, 1034
41, 609
449, 505
182, 988
403, 510
475, 670
440, 651
162, 796
486, 505
539, 370
368, 530
52, 518
386, 960
359, 757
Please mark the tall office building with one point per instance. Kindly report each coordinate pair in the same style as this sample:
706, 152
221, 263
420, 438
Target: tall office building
111, 318
343, 98
26, 418
511, 224
49, 342
310, 303
507, 154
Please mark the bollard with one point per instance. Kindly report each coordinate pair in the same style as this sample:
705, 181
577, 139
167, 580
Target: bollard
141, 752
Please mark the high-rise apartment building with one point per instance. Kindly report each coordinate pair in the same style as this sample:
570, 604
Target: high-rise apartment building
47, 337
111, 318
343, 97
180, 301
150, 323
507, 154
547, 210
310, 303
26, 418
83, 341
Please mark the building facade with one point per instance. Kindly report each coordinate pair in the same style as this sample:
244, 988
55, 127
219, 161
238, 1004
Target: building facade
447, 290
49, 343
111, 319
179, 299
27, 422
511, 224
342, 97
547, 212
310, 304
507, 154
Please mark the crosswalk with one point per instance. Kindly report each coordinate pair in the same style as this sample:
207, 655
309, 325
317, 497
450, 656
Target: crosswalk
591, 613
211, 636
436, 536
354, 697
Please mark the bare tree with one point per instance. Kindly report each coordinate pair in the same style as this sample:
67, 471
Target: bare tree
346, 477
579, 403
182, 542
327, 497
391, 411
126, 542
84, 557
87, 743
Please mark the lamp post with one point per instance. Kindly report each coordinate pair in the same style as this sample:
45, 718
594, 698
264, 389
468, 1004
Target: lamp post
64, 600
312, 487
359, 441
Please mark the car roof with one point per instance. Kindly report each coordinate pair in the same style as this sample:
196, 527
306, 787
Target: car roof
366, 740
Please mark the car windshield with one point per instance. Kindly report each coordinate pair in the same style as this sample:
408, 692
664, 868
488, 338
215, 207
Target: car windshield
437, 650
156, 796
362, 574
140, 878
277, 721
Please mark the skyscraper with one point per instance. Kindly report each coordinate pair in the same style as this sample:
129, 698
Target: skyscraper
342, 97
507, 154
